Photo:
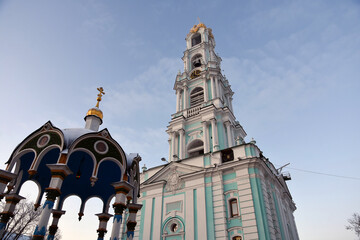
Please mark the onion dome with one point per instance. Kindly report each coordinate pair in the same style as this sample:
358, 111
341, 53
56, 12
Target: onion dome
95, 112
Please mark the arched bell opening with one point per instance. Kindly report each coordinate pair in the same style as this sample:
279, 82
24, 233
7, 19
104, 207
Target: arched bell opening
196, 39
195, 148
196, 61
196, 96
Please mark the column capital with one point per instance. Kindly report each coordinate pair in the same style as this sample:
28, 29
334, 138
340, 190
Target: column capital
58, 213
181, 131
104, 216
59, 170
13, 198
134, 207
227, 123
122, 187
6, 176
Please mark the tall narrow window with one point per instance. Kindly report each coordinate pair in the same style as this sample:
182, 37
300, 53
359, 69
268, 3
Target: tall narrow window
196, 96
234, 210
237, 238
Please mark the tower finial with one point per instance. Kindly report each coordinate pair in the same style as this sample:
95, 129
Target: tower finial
199, 20
101, 93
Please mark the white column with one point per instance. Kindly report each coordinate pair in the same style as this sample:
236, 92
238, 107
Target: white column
58, 173
232, 135
169, 141
201, 213
157, 218
214, 134
9, 208
189, 213
212, 87
227, 101
172, 146
229, 135
122, 188
230, 103
217, 86
177, 100
221, 90
185, 97
181, 150
206, 90
131, 222
205, 136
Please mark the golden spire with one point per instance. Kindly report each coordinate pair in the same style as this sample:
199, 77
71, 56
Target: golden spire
101, 93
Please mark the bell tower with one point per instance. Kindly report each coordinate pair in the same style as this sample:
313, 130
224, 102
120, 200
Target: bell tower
204, 121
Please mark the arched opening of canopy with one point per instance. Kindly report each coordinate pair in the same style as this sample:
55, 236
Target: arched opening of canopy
111, 169
69, 223
81, 162
49, 155
31, 190
195, 148
24, 159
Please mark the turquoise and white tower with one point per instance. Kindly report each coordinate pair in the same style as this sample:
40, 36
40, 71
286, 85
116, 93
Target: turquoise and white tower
204, 121
215, 185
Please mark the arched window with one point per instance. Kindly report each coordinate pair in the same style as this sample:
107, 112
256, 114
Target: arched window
234, 210
196, 96
195, 148
196, 61
196, 39
237, 238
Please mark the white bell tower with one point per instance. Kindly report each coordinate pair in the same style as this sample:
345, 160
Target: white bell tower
204, 121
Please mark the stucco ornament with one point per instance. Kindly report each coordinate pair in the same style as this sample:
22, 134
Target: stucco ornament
173, 182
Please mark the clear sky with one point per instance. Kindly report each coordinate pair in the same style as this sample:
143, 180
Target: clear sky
294, 67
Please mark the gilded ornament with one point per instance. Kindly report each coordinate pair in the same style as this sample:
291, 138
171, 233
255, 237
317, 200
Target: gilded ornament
101, 93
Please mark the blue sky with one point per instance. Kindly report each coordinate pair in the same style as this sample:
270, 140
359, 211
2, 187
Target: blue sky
293, 65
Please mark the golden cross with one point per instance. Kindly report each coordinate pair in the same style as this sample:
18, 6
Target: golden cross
101, 93
199, 20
